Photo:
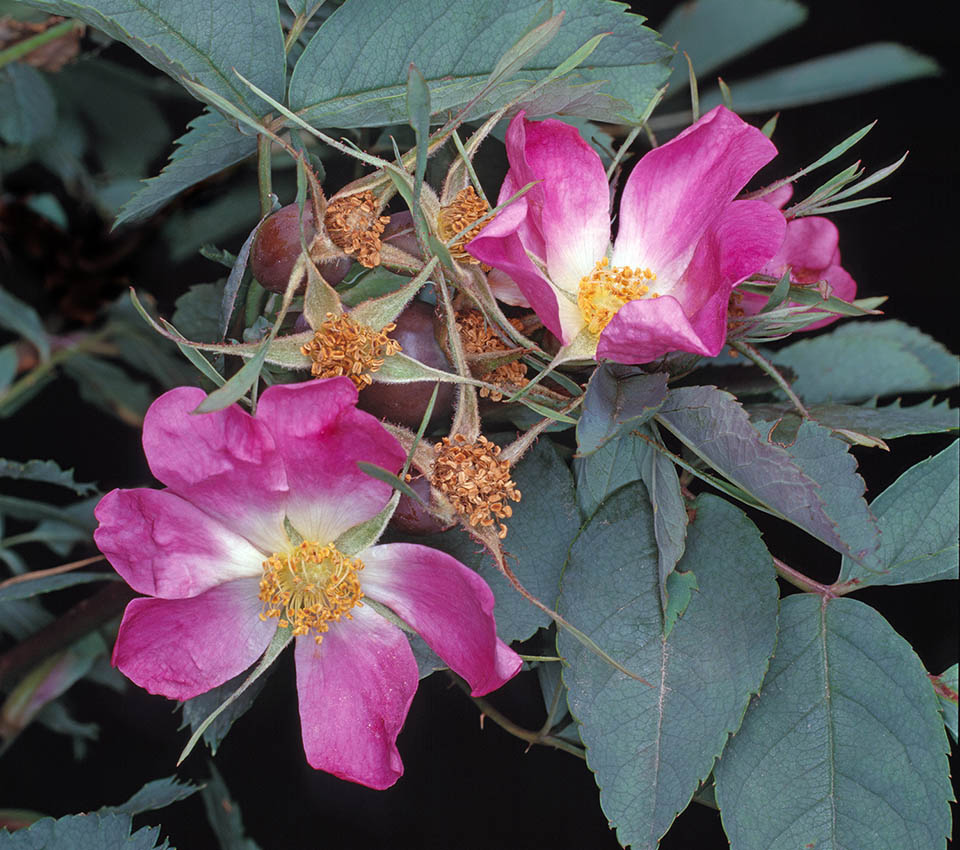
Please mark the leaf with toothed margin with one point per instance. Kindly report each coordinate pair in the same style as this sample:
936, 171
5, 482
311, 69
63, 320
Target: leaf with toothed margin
946, 686
917, 517
618, 398
651, 747
339, 83
844, 747
713, 425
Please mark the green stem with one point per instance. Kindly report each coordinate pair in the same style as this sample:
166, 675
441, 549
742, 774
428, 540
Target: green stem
754, 355
22, 48
37, 374
508, 725
264, 176
798, 579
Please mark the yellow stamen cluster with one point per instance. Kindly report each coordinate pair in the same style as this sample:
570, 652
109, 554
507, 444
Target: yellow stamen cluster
606, 290
466, 208
342, 346
479, 338
355, 227
475, 480
310, 587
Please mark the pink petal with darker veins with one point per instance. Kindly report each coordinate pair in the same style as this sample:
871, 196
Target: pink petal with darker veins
183, 647
447, 604
226, 463
320, 436
355, 690
678, 190
164, 546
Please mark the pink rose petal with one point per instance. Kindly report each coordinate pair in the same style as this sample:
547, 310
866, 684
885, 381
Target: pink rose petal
355, 690
447, 604
183, 647
320, 436
225, 463
164, 546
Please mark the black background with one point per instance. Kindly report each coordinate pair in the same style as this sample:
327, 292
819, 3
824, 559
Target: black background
472, 787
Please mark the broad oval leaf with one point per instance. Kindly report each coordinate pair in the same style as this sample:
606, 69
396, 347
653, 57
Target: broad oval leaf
617, 398
650, 747
342, 83
28, 110
844, 747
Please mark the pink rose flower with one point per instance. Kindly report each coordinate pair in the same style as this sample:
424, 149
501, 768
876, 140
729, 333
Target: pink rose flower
212, 554
682, 244
810, 250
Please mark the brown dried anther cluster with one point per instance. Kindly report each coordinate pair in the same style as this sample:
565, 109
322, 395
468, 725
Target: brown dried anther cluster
475, 480
342, 346
354, 226
480, 338
466, 208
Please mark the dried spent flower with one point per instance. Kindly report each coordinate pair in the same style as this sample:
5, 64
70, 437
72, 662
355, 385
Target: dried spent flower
472, 477
480, 338
342, 346
354, 226
466, 208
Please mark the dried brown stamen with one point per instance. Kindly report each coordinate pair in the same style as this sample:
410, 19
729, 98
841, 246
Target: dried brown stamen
342, 346
354, 226
466, 208
480, 338
472, 477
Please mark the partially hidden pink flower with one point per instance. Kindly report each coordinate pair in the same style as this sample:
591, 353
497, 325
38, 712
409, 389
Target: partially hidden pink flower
682, 242
811, 251
214, 558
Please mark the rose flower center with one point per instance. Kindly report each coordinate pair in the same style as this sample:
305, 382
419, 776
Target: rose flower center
605, 290
309, 587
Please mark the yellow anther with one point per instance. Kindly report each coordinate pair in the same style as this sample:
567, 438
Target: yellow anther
342, 346
466, 208
604, 291
310, 587
354, 226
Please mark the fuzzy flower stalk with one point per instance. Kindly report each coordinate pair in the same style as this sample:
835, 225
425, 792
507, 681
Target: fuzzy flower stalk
683, 242
247, 538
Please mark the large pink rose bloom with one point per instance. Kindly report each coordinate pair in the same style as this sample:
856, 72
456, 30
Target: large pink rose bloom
682, 243
811, 251
212, 554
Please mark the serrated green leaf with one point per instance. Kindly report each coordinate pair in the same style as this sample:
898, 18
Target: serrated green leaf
618, 398
45, 471
336, 83
28, 110
712, 424
616, 463
199, 708
841, 74
48, 584
946, 686
83, 832
79, 515
197, 312
716, 32
154, 795
109, 387
886, 422
223, 813
22, 319
827, 460
650, 747
211, 144
844, 747
196, 40
544, 523
96, 91
917, 516
862, 360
